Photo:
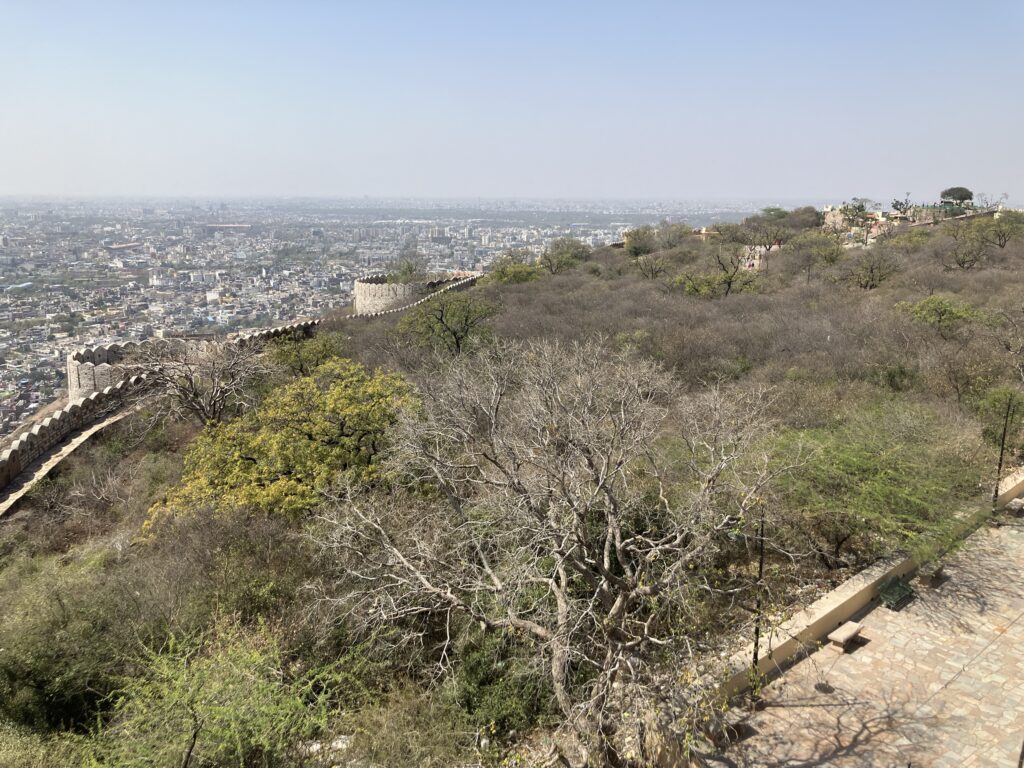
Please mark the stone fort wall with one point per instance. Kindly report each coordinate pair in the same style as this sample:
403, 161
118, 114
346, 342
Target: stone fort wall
91, 369
99, 386
373, 293
53, 430
378, 299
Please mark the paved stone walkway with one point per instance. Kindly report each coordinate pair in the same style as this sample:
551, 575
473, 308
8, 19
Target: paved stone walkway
937, 684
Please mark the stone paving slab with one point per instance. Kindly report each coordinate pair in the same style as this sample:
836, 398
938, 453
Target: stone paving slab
939, 683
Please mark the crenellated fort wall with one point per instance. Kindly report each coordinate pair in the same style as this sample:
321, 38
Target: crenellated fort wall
53, 430
91, 369
373, 293
99, 386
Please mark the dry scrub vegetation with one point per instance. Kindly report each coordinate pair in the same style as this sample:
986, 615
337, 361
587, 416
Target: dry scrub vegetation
522, 524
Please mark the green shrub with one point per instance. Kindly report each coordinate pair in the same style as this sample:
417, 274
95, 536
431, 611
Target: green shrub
71, 627
992, 410
641, 241
946, 316
229, 698
888, 474
280, 457
411, 729
301, 357
27, 749
60, 644
512, 268
499, 685
452, 323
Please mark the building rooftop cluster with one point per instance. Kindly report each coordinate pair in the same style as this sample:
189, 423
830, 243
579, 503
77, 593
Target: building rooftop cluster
77, 274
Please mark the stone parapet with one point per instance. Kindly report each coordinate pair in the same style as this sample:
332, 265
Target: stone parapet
800, 634
55, 429
454, 281
373, 293
90, 369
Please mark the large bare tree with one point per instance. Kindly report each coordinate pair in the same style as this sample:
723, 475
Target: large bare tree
203, 380
535, 502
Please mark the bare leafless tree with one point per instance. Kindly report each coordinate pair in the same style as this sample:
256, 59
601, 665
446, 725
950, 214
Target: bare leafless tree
202, 380
1007, 331
732, 268
987, 202
869, 267
651, 266
1000, 229
967, 248
534, 503
735, 273
810, 250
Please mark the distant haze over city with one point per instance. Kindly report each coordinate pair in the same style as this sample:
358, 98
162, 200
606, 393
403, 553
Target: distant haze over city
696, 211
794, 103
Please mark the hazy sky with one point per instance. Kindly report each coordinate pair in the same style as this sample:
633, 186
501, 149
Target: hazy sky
786, 100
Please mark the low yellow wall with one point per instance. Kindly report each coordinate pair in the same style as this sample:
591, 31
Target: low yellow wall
805, 629
1011, 488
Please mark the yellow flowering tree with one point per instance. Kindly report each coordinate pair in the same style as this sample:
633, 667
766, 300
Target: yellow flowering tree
304, 435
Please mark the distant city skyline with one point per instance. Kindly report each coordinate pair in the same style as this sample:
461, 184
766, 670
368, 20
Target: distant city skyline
82, 273
798, 102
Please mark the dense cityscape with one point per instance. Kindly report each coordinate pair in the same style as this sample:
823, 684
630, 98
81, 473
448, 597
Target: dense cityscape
76, 274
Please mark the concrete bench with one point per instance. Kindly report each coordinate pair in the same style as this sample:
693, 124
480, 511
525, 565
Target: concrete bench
845, 634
